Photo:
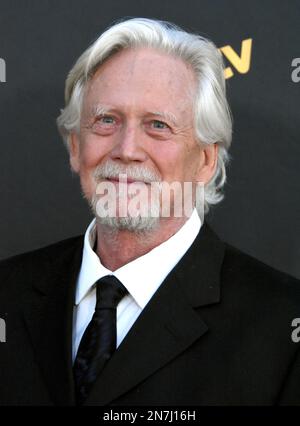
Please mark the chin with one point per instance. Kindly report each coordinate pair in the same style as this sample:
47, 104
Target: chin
145, 222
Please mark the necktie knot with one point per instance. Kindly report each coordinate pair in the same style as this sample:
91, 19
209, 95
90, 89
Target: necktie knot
109, 291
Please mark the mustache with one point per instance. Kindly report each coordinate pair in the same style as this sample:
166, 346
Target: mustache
110, 170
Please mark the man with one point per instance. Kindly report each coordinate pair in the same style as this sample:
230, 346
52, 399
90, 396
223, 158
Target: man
150, 307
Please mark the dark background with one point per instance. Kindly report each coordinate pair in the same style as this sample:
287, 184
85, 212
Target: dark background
40, 40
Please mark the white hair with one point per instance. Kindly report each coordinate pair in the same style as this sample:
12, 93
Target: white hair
212, 119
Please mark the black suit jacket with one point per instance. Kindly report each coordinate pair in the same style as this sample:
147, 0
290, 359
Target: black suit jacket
216, 332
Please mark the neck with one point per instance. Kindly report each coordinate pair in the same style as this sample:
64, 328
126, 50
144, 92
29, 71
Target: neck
116, 248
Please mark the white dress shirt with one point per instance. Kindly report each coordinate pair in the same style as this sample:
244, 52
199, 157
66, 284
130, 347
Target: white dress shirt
141, 277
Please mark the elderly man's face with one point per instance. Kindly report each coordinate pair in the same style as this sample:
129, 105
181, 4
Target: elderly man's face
138, 111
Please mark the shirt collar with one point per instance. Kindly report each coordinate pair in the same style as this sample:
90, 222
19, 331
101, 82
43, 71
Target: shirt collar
139, 276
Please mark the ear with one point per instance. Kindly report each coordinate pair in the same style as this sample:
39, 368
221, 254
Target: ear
208, 163
74, 152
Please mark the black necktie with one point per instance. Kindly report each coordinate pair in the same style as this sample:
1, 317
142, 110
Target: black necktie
99, 339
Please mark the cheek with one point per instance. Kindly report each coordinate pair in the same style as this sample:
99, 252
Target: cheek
168, 158
91, 153
192, 160
181, 167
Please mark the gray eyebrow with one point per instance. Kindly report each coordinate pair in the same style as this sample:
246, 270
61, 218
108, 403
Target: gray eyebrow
166, 115
99, 109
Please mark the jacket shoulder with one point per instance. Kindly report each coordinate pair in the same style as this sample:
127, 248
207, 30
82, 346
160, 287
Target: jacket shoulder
259, 282
236, 259
25, 263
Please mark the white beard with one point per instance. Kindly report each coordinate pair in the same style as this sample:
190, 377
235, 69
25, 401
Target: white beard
143, 220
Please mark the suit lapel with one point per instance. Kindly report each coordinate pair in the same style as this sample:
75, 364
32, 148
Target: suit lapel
169, 323
49, 319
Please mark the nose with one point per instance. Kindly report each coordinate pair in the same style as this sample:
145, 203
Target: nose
129, 146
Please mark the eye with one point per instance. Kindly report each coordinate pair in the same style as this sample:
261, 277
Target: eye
157, 124
105, 124
106, 120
